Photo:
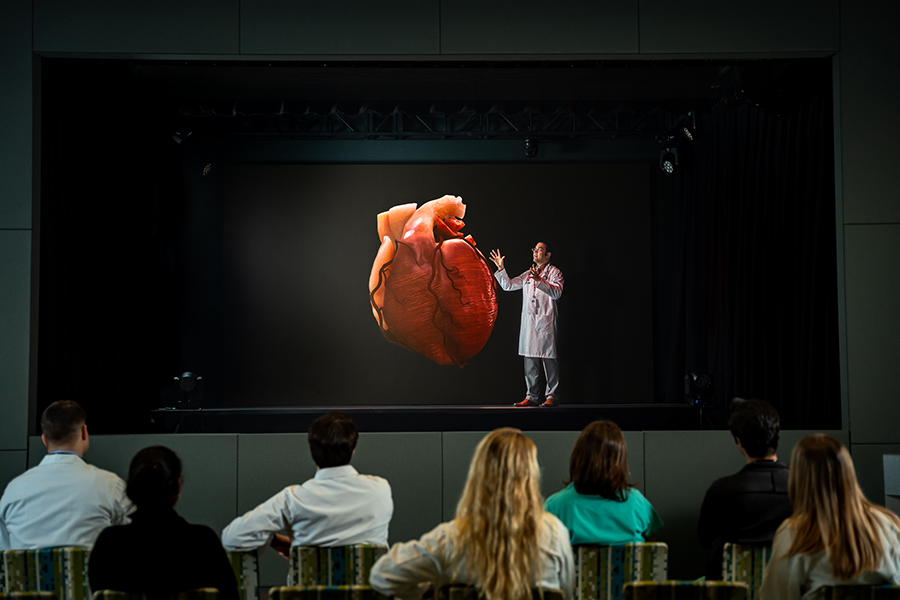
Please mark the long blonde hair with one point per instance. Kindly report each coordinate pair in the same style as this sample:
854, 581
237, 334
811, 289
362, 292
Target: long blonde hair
500, 516
830, 511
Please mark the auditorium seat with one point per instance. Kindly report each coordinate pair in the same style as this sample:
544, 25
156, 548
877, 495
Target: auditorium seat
685, 590
746, 564
601, 571
198, 594
61, 570
458, 591
325, 592
246, 571
858, 592
314, 566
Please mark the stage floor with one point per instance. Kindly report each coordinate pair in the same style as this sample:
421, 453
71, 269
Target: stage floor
630, 417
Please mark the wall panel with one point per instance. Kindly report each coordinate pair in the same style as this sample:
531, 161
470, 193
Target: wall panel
720, 27
679, 467
137, 26
340, 27
535, 27
209, 461
15, 115
15, 315
868, 461
870, 111
12, 464
873, 331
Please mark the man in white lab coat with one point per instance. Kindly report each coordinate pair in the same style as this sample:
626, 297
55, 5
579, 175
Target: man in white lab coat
63, 501
541, 286
337, 507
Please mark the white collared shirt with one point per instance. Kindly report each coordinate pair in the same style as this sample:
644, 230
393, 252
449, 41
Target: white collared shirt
63, 501
338, 507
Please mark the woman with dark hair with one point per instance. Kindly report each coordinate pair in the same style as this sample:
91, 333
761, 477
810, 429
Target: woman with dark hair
600, 505
159, 552
835, 536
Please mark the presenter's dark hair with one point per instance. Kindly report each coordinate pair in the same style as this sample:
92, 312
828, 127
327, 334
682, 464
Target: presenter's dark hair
62, 420
599, 462
332, 439
153, 477
757, 425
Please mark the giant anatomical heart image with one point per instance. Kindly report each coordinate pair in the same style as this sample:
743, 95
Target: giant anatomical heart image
431, 289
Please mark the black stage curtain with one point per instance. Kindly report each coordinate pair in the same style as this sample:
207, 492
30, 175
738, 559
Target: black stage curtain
755, 280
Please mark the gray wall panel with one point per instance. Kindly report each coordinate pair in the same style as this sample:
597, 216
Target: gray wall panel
209, 464
15, 115
868, 461
340, 27
411, 462
870, 111
535, 27
15, 326
147, 26
679, 467
720, 27
12, 464
873, 331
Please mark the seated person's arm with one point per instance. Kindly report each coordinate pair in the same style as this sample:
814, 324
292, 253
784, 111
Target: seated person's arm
256, 528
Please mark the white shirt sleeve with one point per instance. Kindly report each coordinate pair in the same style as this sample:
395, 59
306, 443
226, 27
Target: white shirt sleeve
784, 578
256, 527
507, 284
408, 568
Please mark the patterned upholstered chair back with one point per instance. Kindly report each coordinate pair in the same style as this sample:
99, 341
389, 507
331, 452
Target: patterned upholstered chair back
246, 571
458, 591
313, 566
325, 592
685, 590
601, 571
858, 592
747, 564
198, 594
62, 571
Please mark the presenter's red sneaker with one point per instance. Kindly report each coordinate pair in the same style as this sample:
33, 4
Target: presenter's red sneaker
526, 402
549, 402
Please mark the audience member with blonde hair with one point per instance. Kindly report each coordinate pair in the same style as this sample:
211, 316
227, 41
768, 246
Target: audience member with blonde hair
600, 505
835, 535
501, 540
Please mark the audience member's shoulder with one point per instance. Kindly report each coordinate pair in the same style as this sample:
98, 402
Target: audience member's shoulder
555, 526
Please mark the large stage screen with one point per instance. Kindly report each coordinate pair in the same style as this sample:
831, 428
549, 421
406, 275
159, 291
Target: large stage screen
297, 247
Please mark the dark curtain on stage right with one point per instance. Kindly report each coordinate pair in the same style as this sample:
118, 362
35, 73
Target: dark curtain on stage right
755, 278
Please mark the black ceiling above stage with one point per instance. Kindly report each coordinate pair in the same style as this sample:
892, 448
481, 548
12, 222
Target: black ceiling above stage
489, 99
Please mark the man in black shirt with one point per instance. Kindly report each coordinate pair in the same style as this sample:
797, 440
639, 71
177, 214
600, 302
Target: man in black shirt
747, 507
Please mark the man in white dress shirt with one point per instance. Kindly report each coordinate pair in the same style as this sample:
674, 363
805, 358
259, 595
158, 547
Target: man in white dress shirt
337, 507
63, 501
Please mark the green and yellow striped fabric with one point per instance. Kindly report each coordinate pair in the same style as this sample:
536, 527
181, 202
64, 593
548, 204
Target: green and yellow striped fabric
325, 592
62, 571
246, 571
746, 564
341, 566
601, 571
685, 590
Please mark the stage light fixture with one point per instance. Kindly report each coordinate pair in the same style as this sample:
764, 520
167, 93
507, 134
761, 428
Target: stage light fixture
531, 148
668, 160
185, 392
180, 137
687, 134
699, 389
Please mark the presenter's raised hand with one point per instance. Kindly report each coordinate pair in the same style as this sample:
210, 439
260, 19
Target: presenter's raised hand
497, 259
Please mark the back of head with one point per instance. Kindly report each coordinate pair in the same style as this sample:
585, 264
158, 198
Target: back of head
153, 478
756, 424
61, 422
500, 515
830, 511
332, 439
598, 464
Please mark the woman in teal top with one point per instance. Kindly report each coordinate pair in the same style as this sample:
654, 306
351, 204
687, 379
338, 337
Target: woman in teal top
600, 506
